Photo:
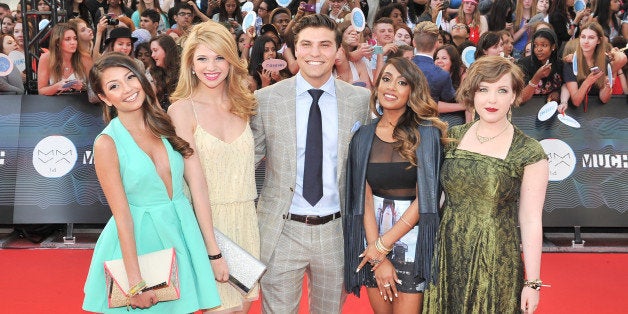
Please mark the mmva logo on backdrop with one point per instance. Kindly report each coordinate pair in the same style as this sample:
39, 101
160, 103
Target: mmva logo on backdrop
561, 158
54, 156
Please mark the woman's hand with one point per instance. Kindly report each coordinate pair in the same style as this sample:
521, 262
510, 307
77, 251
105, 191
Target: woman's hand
568, 58
389, 48
221, 271
508, 27
102, 25
543, 72
144, 300
78, 85
265, 77
250, 33
372, 256
365, 50
594, 76
386, 278
561, 108
584, 14
275, 76
529, 300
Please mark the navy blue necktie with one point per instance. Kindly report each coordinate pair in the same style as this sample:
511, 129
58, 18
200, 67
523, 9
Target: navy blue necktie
313, 166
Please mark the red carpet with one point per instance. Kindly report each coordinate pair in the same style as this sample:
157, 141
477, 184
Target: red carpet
51, 281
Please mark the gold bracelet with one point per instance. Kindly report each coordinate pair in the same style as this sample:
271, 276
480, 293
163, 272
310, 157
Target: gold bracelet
137, 288
381, 248
405, 221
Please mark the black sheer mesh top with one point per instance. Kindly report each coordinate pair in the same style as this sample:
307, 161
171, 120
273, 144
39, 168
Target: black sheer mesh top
388, 173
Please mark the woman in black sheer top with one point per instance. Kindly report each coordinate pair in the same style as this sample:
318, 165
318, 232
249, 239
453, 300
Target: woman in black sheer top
391, 212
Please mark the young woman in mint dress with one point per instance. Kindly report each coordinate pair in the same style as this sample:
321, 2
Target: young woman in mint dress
139, 164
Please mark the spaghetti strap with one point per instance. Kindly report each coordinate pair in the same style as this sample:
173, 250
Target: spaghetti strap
194, 110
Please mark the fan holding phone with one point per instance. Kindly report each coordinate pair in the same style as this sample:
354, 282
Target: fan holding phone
543, 69
589, 78
64, 68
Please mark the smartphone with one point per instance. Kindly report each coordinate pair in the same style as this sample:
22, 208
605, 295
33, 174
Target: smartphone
69, 84
594, 69
378, 50
308, 7
547, 62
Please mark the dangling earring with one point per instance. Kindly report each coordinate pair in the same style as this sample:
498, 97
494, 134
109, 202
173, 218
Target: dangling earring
193, 73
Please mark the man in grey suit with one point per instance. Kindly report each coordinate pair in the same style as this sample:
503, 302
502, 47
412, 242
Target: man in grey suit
303, 127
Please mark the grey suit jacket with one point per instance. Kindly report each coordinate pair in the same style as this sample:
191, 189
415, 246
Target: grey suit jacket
274, 128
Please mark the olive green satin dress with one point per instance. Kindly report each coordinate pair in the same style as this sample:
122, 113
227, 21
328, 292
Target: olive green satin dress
478, 259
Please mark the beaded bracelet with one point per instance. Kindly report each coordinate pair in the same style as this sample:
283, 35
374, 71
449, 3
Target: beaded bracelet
534, 284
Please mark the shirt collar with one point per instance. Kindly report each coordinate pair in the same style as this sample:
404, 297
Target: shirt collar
303, 86
425, 55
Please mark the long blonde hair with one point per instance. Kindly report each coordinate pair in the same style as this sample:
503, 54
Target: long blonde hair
75, 24
519, 13
217, 38
420, 107
462, 16
599, 58
56, 62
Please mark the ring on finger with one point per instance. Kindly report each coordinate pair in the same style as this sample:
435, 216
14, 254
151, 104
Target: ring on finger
387, 285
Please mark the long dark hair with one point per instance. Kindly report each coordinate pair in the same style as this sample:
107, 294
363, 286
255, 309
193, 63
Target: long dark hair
499, 14
558, 6
157, 121
223, 16
385, 11
420, 107
170, 71
257, 57
457, 67
603, 14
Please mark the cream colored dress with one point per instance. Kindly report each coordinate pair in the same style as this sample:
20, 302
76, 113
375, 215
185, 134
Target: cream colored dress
230, 174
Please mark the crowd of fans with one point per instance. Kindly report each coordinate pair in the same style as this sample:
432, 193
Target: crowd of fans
545, 38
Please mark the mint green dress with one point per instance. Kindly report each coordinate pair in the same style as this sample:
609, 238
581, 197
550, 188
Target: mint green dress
159, 223
479, 263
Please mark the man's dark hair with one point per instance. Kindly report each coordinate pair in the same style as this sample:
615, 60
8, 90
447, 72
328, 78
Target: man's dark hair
5, 6
151, 14
183, 5
318, 21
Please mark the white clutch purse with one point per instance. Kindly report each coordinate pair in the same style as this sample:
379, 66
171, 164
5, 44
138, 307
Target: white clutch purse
244, 269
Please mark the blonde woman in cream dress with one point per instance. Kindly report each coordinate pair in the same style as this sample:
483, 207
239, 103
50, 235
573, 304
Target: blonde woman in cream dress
211, 108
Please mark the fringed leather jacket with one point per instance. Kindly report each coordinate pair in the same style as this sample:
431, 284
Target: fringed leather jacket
429, 159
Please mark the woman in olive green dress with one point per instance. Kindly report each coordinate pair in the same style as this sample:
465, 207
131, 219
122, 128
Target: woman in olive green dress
494, 178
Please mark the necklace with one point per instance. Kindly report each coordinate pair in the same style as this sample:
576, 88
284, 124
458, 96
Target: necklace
484, 139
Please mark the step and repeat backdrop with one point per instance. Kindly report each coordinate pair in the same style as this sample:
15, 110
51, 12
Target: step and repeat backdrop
47, 169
